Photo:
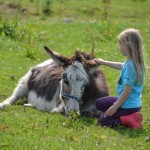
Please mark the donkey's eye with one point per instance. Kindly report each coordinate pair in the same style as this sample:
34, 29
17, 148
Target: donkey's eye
66, 82
79, 79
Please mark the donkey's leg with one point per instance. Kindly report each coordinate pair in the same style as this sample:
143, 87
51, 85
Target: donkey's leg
20, 91
58, 109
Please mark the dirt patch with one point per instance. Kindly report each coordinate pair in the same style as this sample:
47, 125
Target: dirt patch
12, 8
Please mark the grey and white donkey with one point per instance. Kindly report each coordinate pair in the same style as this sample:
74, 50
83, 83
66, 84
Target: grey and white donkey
62, 84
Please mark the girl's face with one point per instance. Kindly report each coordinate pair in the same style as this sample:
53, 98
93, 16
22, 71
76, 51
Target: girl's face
123, 48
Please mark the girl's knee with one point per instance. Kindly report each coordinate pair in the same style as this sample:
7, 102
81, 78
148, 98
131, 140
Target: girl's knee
99, 103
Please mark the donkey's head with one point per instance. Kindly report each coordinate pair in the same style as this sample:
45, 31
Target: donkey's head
74, 78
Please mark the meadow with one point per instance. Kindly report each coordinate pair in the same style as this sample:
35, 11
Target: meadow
26, 26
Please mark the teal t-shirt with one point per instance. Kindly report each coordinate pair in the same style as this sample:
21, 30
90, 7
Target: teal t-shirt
128, 77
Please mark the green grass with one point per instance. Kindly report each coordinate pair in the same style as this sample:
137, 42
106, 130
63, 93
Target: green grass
22, 37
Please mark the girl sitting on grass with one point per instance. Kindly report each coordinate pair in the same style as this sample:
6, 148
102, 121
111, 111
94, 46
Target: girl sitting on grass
124, 109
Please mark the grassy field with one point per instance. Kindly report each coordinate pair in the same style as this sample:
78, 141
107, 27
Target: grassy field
66, 25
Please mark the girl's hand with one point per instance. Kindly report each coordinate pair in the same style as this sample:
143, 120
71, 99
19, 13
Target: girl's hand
124, 95
99, 61
111, 111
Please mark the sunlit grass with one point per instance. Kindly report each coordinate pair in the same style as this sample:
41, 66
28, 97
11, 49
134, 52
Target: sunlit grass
27, 128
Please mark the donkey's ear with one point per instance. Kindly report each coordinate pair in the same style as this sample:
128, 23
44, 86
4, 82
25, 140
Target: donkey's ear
88, 60
91, 63
59, 59
91, 66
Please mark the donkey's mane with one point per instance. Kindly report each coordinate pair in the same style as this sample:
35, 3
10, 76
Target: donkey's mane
78, 56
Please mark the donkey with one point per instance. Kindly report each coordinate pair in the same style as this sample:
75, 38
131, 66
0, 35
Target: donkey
62, 84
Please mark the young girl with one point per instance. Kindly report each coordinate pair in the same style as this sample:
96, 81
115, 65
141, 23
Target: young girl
124, 109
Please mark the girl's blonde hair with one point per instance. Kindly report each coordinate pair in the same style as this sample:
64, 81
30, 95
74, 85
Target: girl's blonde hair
133, 41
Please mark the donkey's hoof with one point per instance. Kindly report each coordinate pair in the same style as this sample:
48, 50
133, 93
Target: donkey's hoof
28, 105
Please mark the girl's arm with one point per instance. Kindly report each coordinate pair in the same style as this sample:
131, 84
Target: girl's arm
124, 95
115, 65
